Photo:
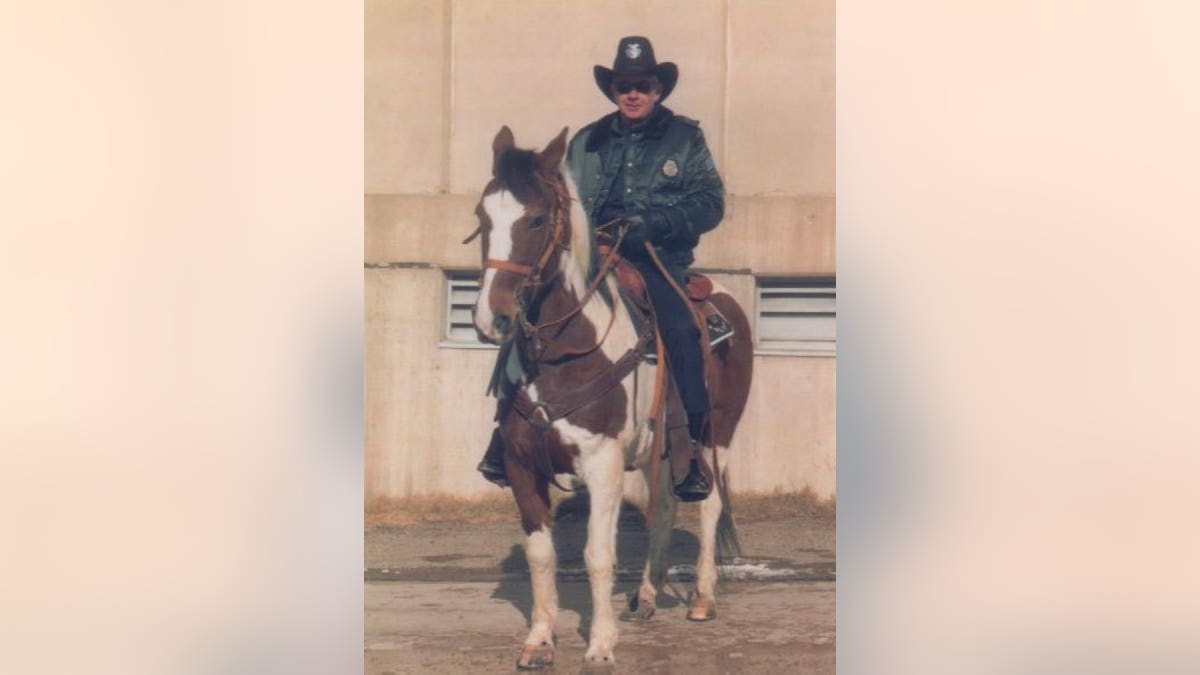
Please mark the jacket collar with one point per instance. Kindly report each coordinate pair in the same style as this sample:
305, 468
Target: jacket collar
609, 126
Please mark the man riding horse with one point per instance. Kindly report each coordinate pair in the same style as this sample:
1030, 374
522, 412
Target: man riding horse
649, 170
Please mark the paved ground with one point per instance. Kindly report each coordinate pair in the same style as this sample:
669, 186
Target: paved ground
455, 598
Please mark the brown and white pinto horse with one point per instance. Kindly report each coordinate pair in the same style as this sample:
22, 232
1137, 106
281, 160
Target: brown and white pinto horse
535, 291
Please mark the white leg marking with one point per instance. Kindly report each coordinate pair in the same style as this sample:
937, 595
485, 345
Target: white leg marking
601, 469
710, 512
539, 551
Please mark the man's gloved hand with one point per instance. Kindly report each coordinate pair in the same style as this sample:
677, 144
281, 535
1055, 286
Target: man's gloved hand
634, 225
641, 229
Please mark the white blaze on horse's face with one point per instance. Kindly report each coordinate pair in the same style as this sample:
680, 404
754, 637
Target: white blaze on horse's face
503, 209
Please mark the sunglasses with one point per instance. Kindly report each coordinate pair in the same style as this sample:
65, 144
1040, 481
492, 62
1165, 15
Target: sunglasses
642, 86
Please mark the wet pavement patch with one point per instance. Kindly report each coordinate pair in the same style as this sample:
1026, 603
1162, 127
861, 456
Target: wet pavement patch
449, 557
740, 569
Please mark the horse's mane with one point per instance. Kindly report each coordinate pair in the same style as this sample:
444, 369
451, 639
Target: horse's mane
581, 232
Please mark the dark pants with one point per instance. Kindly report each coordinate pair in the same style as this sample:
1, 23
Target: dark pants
680, 335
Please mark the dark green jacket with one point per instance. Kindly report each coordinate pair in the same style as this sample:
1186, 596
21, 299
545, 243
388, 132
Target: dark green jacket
672, 182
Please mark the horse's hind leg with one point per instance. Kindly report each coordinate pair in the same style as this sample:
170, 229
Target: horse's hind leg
661, 521
533, 500
704, 604
602, 470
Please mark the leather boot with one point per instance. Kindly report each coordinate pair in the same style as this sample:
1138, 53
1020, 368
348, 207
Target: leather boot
695, 485
492, 464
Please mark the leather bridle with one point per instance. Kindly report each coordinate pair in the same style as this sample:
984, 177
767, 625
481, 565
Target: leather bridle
533, 273
533, 278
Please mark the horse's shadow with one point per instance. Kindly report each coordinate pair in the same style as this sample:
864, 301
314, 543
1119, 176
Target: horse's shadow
570, 537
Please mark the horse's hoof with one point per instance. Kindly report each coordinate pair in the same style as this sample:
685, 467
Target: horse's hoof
702, 609
600, 647
637, 610
642, 613
598, 661
536, 658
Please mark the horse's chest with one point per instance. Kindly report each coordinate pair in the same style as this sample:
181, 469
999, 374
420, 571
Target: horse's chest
605, 413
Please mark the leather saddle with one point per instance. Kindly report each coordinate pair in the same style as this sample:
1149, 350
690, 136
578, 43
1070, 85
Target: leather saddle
699, 289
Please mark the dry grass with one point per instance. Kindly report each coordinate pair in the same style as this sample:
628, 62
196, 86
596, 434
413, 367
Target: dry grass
780, 505
441, 509
500, 509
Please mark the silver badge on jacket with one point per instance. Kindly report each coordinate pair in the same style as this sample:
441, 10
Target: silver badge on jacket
670, 168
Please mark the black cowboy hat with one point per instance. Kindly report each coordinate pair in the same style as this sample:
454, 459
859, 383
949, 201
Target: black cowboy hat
635, 56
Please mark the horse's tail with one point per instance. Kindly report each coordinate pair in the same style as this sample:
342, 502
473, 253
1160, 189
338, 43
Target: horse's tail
735, 358
728, 546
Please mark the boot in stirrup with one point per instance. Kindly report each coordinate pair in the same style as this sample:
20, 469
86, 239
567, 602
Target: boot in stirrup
695, 485
492, 464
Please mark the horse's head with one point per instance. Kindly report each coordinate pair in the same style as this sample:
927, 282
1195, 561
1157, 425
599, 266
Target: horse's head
524, 226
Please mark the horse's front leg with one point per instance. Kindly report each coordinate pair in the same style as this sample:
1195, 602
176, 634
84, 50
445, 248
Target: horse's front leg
602, 470
533, 500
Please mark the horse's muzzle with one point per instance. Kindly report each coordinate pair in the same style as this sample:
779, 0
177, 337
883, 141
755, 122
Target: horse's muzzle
496, 329
502, 325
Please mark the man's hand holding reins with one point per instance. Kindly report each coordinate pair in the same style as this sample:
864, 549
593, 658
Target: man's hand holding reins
641, 229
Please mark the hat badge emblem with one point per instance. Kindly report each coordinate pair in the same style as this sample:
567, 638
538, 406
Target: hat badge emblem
670, 169
633, 50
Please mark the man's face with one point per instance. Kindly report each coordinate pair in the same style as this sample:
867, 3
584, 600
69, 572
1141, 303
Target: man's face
636, 96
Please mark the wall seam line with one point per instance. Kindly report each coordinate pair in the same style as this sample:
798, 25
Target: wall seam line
448, 94
725, 92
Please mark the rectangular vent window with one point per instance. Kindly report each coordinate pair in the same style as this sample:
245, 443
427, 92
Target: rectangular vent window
797, 314
462, 288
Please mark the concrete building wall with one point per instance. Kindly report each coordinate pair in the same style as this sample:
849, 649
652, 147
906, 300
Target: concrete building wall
442, 76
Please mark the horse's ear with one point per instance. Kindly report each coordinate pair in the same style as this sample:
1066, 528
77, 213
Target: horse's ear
502, 142
552, 156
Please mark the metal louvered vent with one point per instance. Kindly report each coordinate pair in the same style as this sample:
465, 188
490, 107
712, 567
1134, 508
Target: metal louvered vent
797, 314
462, 288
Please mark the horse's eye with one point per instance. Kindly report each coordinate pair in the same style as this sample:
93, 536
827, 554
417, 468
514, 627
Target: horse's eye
537, 223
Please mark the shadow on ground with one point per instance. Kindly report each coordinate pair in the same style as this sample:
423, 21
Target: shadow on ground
570, 537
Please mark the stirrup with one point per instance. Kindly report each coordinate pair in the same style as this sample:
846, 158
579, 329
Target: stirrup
492, 464
695, 486
719, 328
492, 472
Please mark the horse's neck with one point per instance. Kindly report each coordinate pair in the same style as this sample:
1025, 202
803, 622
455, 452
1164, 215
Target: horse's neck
595, 318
